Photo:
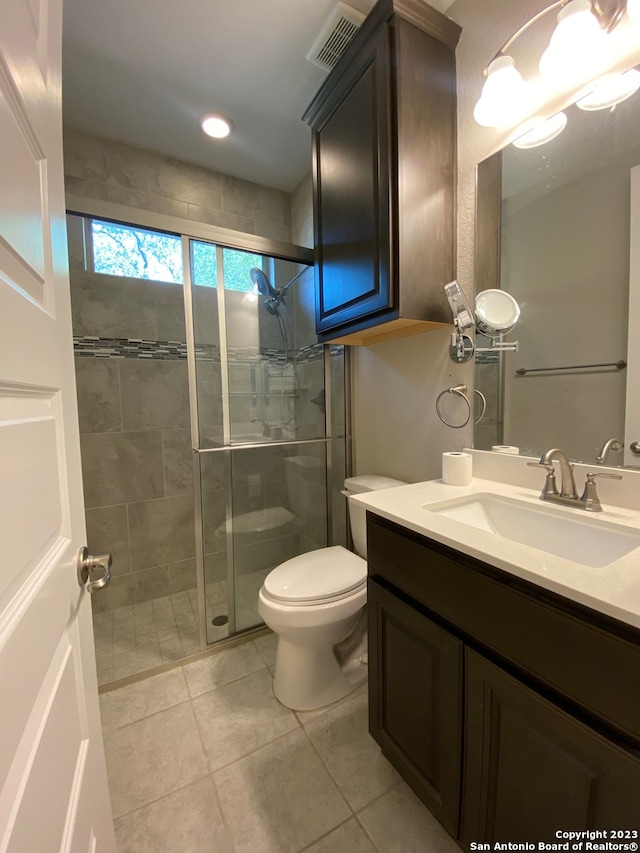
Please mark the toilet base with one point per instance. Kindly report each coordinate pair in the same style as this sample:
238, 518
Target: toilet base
309, 677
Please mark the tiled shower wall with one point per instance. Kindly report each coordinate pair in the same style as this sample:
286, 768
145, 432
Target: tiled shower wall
133, 405
111, 171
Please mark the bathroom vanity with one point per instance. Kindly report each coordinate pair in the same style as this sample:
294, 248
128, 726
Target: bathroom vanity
500, 690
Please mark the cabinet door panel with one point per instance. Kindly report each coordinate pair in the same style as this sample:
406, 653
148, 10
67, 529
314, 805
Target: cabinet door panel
415, 684
531, 769
352, 171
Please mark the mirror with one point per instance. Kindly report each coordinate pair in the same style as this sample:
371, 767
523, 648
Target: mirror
553, 230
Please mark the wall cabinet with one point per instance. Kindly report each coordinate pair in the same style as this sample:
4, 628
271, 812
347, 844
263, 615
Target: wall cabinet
511, 712
384, 175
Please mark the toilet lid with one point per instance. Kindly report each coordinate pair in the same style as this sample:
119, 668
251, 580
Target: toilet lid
325, 574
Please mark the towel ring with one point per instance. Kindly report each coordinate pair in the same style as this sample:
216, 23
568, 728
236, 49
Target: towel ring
460, 391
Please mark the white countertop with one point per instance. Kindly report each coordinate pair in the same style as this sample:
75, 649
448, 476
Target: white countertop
613, 589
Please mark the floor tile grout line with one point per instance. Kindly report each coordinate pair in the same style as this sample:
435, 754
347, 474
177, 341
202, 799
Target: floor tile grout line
162, 797
364, 808
146, 717
225, 822
253, 751
219, 686
330, 774
326, 834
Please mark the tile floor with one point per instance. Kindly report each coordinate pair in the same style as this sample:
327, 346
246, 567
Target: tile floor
203, 759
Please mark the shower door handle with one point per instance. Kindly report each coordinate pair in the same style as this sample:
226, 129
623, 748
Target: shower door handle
635, 447
88, 566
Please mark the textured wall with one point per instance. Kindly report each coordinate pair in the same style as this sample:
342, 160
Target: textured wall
99, 168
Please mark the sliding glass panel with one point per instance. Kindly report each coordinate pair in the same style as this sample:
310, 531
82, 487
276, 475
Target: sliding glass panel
270, 341
204, 290
216, 536
279, 511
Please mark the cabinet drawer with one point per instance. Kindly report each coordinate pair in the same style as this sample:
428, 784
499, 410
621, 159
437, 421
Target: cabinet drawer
586, 657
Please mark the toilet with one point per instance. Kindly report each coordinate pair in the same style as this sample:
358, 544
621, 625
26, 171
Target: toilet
313, 602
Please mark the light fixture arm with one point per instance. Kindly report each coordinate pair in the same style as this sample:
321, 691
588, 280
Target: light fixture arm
607, 18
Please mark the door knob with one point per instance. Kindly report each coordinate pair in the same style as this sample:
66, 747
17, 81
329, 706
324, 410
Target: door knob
95, 570
634, 447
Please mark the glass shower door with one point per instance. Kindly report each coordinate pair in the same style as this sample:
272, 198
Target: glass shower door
261, 436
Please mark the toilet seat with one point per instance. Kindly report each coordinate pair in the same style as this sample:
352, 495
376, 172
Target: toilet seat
318, 577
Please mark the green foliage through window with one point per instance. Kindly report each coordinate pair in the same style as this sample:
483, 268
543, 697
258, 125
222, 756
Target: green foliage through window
236, 269
136, 252
236, 265
140, 253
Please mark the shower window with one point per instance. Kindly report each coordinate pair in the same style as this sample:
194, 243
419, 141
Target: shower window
122, 250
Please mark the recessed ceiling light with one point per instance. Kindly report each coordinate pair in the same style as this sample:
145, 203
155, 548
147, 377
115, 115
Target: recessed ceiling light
216, 126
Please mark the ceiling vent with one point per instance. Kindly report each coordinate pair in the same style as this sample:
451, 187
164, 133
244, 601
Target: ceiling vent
342, 25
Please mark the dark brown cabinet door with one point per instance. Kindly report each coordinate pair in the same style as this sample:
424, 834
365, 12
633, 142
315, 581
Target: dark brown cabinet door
351, 171
415, 700
531, 769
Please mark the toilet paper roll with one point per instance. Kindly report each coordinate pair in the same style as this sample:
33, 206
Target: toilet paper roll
456, 468
506, 448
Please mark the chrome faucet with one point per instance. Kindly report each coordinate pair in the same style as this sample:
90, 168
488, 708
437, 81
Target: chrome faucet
568, 495
567, 483
613, 444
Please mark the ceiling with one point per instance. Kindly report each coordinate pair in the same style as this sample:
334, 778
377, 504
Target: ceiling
145, 71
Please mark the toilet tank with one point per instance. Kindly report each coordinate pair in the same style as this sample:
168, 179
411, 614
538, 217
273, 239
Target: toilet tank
357, 514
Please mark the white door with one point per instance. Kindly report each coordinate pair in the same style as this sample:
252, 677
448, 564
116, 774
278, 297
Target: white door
632, 410
54, 793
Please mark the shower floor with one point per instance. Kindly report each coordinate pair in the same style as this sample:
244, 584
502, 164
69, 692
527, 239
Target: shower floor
138, 637
132, 639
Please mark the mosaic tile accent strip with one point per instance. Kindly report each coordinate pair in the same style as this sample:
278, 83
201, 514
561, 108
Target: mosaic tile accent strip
88, 346
94, 347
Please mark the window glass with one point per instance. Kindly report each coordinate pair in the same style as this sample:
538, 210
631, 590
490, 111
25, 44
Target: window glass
204, 268
136, 252
236, 269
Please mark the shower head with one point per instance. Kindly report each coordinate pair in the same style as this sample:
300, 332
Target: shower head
263, 284
276, 295
272, 306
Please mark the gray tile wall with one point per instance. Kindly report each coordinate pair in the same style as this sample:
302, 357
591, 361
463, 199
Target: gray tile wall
134, 434
99, 168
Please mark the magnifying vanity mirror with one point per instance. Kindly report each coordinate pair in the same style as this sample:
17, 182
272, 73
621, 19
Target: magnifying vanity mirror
558, 228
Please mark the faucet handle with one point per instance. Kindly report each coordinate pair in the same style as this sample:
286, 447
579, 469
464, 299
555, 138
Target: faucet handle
590, 497
605, 475
550, 486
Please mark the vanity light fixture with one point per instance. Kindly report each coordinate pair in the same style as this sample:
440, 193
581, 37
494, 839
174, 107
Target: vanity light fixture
541, 132
216, 126
581, 34
575, 41
610, 90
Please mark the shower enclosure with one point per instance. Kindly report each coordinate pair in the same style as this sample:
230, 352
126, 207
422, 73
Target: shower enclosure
214, 435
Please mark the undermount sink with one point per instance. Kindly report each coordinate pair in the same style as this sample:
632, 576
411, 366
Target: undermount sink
588, 541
